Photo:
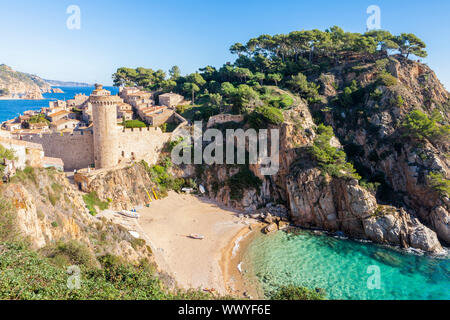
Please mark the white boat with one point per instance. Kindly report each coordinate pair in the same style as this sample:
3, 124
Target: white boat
130, 214
202, 189
197, 236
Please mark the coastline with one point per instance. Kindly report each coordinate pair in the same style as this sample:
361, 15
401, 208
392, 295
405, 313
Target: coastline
232, 258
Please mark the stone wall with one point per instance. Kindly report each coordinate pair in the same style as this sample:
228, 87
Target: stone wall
76, 149
142, 144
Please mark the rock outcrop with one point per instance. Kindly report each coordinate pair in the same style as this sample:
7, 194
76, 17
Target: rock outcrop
49, 208
318, 201
19, 85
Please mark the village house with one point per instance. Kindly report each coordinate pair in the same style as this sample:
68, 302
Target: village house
53, 117
170, 99
12, 125
63, 124
42, 126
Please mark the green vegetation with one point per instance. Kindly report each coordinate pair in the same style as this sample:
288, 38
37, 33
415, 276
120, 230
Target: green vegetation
331, 159
297, 293
243, 180
440, 183
261, 117
38, 118
92, 201
386, 79
27, 275
165, 181
5, 154
417, 125
134, 124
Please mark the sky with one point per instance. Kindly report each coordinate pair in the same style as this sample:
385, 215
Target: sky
158, 34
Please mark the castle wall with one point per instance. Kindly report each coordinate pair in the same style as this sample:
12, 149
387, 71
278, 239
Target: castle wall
76, 149
142, 143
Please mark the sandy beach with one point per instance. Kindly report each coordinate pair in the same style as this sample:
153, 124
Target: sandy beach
202, 264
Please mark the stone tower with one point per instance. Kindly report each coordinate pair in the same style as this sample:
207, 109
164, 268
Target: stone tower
104, 113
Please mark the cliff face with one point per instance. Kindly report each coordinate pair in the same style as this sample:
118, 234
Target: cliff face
371, 129
407, 210
19, 85
49, 208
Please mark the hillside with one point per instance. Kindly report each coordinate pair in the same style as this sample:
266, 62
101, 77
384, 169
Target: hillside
365, 152
19, 85
57, 83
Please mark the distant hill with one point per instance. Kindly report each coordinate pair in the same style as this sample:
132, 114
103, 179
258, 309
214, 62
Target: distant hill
56, 83
20, 85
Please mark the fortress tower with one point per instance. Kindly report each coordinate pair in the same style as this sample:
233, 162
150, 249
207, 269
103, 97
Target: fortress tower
104, 112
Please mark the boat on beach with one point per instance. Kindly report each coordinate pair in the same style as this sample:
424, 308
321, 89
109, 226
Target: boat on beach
130, 214
197, 236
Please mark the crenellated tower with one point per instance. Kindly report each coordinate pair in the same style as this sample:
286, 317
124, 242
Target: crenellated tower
104, 113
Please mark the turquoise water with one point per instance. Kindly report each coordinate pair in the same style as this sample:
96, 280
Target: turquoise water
12, 108
341, 268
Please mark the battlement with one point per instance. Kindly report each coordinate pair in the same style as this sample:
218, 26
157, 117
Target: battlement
29, 137
146, 129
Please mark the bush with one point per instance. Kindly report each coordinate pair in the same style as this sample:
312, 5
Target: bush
261, 117
92, 201
299, 84
70, 253
331, 159
386, 79
417, 125
440, 183
297, 293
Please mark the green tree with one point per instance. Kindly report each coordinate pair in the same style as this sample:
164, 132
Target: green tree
410, 44
174, 72
275, 77
259, 76
191, 88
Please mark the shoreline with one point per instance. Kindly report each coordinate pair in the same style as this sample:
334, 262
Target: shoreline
232, 259
196, 264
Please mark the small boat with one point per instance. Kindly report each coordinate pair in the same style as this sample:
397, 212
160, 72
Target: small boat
135, 234
130, 214
197, 236
202, 189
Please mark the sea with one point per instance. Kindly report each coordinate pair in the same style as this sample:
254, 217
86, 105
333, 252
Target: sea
344, 269
10, 109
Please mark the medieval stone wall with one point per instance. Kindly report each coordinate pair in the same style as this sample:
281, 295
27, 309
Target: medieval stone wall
75, 149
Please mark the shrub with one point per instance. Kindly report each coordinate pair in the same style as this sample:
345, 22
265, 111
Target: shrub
417, 125
387, 79
297, 293
70, 253
92, 201
440, 183
261, 117
331, 159
299, 84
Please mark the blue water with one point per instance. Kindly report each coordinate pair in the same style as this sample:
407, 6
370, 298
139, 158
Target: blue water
342, 268
12, 108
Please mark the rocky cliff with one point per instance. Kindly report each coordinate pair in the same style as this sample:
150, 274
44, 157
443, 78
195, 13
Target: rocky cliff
19, 85
367, 106
48, 208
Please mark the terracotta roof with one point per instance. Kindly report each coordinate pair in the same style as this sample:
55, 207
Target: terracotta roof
62, 121
59, 113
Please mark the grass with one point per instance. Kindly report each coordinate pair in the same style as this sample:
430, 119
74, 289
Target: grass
9, 230
92, 201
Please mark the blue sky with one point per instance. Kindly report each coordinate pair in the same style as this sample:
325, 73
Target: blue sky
191, 33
